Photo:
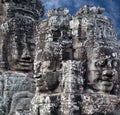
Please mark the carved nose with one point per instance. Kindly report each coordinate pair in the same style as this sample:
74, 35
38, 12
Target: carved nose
26, 55
109, 64
108, 73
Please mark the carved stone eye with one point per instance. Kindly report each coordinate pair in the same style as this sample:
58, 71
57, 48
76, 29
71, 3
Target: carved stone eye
100, 63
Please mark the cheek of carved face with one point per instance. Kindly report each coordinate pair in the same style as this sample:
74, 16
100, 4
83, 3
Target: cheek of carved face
47, 82
41, 85
103, 71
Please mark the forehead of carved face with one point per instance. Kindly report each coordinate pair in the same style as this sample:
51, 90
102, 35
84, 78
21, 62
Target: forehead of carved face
21, 53
104, 52
102, 69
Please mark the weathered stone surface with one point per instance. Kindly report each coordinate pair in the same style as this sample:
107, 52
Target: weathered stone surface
21, 103
15, 87
99, 103
53, 45
46, 104
72, 77
74, 61
84, 86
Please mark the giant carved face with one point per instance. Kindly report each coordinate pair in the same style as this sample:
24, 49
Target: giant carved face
19, 43
102, 70
21, 53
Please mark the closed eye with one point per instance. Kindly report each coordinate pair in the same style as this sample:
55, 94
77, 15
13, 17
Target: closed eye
100, 63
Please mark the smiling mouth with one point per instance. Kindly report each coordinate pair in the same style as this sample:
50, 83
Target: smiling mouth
107, 83
25, 65
107, 80
27, 62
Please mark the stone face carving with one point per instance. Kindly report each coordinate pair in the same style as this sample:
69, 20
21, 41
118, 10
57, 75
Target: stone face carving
87, 66
17, 54
52, 42
75, 58
100, 45
20, 51
19, 27
102, 71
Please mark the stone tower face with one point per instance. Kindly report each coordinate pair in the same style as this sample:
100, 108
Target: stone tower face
74, 61
18, 32
102, 70
17, 48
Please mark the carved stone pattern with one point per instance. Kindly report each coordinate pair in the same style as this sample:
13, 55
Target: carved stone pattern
76, 61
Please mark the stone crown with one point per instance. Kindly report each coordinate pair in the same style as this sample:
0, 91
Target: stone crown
33, 7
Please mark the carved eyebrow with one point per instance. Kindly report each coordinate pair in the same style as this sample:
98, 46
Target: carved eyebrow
117, 59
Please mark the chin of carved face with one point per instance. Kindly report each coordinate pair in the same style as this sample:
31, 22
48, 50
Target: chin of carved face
48, 81
100, 83
103, 86
21, 65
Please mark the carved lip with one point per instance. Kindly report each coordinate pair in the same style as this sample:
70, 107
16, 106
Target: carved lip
23, 68
107, 78
107, 83
39, 82
26, 64
40, 85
